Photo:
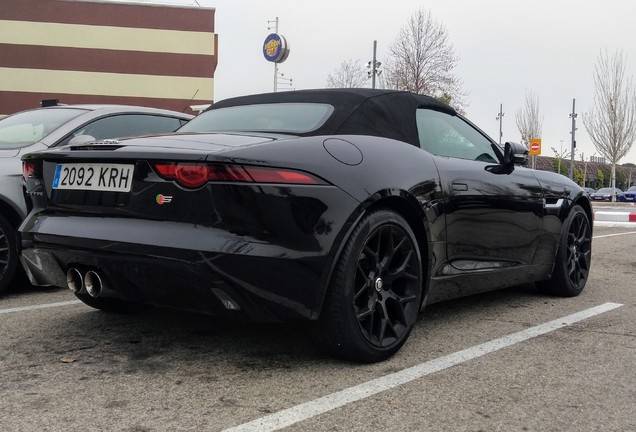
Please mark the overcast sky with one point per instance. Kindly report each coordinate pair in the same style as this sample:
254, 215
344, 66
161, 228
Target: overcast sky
505, 48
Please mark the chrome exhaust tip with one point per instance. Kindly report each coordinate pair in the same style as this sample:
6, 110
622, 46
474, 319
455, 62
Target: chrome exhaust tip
93, 283
74, 280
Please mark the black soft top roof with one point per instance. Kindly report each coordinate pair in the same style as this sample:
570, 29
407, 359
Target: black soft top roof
383, 113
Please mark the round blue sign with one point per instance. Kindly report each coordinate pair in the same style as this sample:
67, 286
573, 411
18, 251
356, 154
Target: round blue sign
275, 48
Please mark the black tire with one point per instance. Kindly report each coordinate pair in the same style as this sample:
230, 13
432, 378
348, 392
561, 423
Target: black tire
8, 253
572, 264
376, 291
113, 305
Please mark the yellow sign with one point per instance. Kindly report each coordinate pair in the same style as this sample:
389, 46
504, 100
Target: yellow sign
535, 146
271, 47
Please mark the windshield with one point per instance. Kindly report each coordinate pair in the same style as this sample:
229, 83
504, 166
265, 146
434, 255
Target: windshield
28, 127
280, 117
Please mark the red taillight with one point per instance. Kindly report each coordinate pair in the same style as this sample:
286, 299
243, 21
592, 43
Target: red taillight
28, 169
191, 176
195, 175
269, 175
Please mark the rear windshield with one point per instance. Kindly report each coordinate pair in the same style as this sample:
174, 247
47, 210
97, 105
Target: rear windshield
279, 117
28, 127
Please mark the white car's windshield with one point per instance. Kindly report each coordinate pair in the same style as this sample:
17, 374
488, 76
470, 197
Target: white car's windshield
28, 127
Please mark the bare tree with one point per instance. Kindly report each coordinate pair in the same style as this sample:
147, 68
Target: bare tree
422, 59
349, 74
529, 122
631, 170
611, 123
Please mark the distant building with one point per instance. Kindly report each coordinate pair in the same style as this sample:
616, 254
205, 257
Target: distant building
597, 159
83, 51
625, 174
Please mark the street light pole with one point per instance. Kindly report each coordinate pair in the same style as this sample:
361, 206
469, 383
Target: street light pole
375, 49
373, 65
585, 166
500, 118
573, 116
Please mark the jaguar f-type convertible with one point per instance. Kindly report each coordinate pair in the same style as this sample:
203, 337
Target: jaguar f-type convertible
352, 208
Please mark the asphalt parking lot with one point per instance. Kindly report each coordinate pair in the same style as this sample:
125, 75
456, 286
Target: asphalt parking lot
512, 360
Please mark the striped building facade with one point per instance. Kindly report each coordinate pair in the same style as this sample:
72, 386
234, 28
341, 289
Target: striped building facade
84, 51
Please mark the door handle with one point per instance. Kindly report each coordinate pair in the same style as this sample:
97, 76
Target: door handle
460, 187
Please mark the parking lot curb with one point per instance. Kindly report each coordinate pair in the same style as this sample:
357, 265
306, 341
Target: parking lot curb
608, 216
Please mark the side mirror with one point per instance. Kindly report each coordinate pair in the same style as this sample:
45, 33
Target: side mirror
515, 154
80, 140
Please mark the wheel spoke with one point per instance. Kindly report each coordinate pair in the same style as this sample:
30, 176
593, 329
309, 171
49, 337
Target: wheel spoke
378, 249
393, 250
367, 317
364, 288
382, 330
401, 305
400, 271
364, 315
585, 256
370, 253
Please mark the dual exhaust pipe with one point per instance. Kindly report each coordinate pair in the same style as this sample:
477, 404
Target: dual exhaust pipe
90, 282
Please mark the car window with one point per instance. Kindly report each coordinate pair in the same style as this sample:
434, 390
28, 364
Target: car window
28, 127
125, 125
279, 117
445, 135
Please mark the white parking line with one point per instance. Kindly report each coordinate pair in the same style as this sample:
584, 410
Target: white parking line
330, 402
614, 235
608, 224
40, 306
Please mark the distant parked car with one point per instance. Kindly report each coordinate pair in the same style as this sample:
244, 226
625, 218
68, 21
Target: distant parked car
629, 195
55, 126
589, 190
605, 194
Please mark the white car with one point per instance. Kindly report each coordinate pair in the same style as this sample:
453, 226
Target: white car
42, 128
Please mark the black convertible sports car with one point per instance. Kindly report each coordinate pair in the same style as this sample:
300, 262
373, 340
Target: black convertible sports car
353, 208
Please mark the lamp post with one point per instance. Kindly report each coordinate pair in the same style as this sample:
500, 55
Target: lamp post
585, 166
374, 65
500, 118
573, 116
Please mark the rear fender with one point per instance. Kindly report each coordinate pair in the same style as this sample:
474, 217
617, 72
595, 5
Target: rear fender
408, 207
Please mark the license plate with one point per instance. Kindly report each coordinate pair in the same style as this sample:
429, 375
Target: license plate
94, 176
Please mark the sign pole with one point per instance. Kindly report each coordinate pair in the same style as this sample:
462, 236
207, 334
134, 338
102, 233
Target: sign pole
534, 149
276, 50
276, 63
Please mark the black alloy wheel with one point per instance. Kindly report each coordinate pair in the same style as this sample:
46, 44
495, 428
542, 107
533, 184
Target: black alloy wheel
8, 253
574, 257
377, 290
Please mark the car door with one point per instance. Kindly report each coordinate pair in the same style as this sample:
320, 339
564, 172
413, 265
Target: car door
493, 215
